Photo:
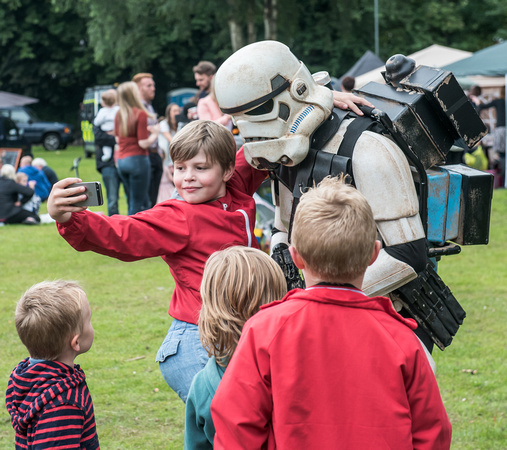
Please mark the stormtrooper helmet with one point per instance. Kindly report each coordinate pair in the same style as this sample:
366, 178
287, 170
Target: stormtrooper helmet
275, 102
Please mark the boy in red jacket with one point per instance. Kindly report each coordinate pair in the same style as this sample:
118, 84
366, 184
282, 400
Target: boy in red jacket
215, 210
328, 367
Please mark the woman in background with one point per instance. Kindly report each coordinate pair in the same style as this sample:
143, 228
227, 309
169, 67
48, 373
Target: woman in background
134, 137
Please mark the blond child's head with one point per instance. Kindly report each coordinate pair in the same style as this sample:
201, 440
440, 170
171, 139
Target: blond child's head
49, 314
334, 231
236, 282
216, 141
109, 98
22, 178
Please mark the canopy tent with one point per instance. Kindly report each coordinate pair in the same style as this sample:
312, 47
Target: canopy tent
434, 56
7, 99
490, 62
364, 64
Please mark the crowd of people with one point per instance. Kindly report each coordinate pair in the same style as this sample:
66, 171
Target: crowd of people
133, 142
252, 363
132, 146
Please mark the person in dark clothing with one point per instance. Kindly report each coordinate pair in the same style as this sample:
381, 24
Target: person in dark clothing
12, 197
107, 169
47, 396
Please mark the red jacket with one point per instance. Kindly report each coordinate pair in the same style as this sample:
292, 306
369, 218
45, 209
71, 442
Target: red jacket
183, 234
329, 368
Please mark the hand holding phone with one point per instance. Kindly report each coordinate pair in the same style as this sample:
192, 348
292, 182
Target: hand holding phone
93, 192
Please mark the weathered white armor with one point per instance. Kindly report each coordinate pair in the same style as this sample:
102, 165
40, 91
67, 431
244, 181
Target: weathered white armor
286, 119
274, 100
244, 87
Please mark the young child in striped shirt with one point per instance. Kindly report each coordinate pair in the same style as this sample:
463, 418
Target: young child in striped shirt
47, 396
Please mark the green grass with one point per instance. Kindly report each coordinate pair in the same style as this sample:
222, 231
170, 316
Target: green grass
134, 407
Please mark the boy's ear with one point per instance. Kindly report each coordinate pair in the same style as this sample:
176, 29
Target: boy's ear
376, 251
74, 343
296, 257
228, 173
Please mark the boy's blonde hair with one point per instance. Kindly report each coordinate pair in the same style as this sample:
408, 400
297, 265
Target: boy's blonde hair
235, 283
48, 315
334, 231
109, 97
128, 98
214, 139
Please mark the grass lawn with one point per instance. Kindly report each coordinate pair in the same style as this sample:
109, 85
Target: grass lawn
134, 407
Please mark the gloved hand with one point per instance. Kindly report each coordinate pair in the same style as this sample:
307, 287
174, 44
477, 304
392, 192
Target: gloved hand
282, 257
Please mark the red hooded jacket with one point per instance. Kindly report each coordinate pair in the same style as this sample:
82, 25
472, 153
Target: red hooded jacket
329, 368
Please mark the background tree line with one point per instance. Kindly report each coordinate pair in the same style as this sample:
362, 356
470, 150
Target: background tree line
54, 49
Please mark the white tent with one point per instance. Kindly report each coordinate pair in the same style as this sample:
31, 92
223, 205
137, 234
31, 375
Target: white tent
433, 56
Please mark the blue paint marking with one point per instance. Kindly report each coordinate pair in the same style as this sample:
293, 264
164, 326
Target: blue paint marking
298, 121
444, 190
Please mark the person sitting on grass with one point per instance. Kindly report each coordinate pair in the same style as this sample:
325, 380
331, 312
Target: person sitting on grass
328, 367
236, 282
32, 205
42, 184
13, 196
47, 395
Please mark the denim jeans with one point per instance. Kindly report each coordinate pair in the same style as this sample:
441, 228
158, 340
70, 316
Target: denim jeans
134, 172
111, 181
181, 356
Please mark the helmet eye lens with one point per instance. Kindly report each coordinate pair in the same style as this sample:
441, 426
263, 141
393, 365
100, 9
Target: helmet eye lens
265, 108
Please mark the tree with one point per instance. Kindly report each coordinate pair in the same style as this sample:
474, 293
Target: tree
54, 49
45, 56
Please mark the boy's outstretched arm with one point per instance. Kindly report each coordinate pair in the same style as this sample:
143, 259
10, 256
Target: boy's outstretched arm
61, 201
242, 406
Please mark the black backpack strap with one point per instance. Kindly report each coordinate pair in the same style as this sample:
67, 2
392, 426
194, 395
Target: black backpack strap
329, 128
352, 134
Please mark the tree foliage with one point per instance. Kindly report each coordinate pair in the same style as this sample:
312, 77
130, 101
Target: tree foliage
54, 49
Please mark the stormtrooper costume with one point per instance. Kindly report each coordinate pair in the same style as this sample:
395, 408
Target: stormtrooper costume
279, 110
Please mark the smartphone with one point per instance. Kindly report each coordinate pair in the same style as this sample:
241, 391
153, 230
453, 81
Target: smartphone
93, 191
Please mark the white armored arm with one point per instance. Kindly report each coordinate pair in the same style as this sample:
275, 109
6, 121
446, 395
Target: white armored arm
283, 207
383, 176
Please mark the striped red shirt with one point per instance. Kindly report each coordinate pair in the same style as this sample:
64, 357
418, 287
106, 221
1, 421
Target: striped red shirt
51, 407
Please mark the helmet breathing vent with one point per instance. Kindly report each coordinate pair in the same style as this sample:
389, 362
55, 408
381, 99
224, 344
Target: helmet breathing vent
284, 112
301, 117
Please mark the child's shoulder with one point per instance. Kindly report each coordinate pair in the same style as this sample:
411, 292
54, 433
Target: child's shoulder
278, 311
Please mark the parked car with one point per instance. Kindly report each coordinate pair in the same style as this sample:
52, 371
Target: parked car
13, 137
52, 135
